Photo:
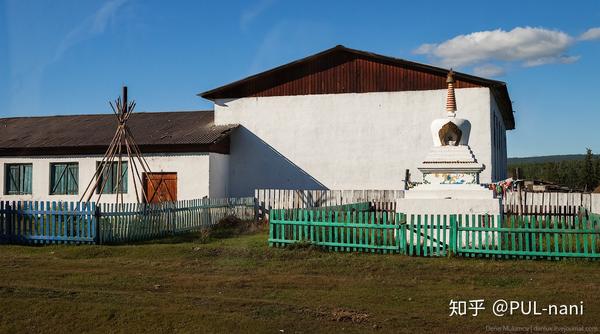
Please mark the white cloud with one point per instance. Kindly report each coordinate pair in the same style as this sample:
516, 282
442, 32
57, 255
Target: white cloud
91, 26
590, 34
425, 49
489, 70
527, 46
563, 59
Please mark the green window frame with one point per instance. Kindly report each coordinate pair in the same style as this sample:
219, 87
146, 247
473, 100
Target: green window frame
17, 179
111, 175
64, 178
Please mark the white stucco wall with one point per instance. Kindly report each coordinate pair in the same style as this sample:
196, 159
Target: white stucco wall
218, 175
343, 141
596, 203
192, 176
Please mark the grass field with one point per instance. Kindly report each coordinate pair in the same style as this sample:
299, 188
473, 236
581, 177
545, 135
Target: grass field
240, 285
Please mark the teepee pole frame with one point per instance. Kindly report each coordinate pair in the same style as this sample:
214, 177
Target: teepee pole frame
123, 142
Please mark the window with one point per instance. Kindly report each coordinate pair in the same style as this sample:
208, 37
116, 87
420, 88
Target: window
17, 179
64, 178
110, 178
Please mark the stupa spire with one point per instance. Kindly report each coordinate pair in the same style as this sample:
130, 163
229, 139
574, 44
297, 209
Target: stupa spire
450, 98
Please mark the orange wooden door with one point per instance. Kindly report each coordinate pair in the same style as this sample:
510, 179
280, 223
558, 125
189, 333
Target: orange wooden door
160, 187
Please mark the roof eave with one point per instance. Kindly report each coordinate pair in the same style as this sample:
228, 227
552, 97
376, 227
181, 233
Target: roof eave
210, 94
215, 147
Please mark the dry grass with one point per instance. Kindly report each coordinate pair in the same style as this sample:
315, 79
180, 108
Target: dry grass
238, 284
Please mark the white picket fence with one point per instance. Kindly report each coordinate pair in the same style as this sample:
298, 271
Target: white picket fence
586, 200
300, 199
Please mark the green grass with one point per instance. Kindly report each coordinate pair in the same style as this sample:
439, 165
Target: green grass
239, 284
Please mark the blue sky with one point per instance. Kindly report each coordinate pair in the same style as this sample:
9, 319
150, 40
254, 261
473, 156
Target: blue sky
71, 57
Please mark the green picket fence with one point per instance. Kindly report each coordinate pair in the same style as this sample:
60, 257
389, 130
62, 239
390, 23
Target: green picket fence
350, 207
428, 235
530, 237
134, 222
336, 230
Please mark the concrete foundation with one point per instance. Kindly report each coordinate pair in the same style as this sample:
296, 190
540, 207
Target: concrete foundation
449, 191
441, 206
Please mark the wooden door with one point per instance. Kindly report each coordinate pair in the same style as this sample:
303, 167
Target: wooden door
160, 187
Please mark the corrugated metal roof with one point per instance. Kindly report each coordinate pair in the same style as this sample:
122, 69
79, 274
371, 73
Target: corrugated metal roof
148, 128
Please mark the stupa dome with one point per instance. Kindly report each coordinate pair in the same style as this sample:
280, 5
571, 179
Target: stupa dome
450, 131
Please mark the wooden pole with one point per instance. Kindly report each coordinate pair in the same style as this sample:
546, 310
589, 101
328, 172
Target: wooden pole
109, 164
125, 96
100, 171
519, 186
120, 169
136, 171
95, 176
143, 162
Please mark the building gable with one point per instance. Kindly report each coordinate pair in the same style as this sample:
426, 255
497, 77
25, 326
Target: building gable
342, 70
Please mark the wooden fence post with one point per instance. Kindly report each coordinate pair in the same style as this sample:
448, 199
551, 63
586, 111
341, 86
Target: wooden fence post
96, 216
256, 209
171, 217
272, 231
9, 223
401, 232
453, 235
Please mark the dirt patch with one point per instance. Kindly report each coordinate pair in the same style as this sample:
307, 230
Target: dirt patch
349, 316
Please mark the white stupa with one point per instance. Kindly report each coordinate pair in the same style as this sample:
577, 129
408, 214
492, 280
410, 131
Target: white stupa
450, 169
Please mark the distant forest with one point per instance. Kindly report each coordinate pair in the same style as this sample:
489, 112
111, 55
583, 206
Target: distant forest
578, 172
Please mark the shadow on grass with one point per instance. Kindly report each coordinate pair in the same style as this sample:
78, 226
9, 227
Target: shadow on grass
227, 227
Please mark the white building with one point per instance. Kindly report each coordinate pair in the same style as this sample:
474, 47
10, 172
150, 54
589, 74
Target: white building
348, 119
54, 158
340, 119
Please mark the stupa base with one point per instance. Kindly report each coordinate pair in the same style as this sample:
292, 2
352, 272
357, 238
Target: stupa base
439, 206
449, 191
449, 199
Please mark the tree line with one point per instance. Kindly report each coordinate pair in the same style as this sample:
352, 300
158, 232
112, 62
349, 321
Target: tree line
581, 174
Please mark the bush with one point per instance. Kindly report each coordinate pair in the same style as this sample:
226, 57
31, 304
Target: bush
231, 226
